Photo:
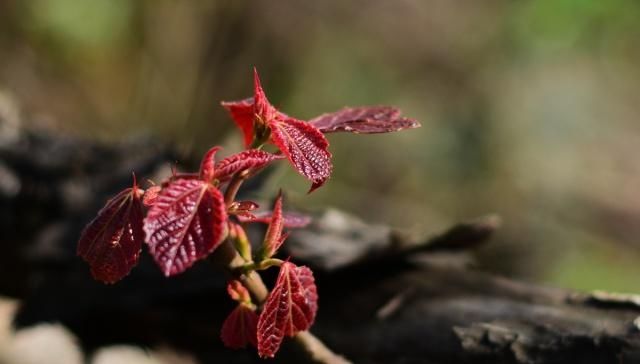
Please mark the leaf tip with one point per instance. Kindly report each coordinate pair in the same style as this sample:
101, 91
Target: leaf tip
207, 166
316, 184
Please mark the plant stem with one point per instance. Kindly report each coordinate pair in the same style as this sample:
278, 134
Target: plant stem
261, 265
234, 186
240, 241
317, 351
227, 258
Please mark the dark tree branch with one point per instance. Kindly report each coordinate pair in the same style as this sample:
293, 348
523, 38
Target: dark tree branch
385, 297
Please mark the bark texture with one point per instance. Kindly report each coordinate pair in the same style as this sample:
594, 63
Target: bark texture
385, 296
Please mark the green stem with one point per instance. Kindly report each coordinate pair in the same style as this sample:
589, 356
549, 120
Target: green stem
262, 265
227, 258
241, 242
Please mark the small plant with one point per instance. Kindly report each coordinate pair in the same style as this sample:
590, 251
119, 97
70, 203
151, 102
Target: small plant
188, 217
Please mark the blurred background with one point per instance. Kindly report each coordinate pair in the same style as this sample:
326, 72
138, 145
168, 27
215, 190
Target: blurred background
528, 109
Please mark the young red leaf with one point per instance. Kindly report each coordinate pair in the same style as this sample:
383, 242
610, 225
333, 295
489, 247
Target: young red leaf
364, 120
238, 292
253, 159
290, 220
243, 208
239, 238
240, 327
186, 223
305, 147
179, 175
273, 237
207, 166
291, 307
264, 111
111, 242
150, 195
242, 113
247, 112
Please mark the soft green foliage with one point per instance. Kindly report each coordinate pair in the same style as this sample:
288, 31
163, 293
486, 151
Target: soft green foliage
529, 108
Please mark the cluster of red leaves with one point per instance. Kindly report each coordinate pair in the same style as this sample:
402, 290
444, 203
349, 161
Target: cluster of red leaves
303, 143
186, 220
290, 308
187, 216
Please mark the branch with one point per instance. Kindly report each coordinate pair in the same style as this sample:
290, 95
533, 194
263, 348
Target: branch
315, 351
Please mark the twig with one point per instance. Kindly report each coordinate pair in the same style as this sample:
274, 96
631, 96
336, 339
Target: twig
227, 258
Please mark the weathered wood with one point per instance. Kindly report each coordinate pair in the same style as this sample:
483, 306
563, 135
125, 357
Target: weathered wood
424, 307
385, 296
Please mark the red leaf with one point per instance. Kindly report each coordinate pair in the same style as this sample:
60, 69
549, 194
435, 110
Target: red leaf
291, 307
238, 292
264, 111
179, 175
240, 327
207, 168
242, 113
305, 275
305, 147
253, 159
364, 119
186, 223
253, 110
291, 220
273, 237
111, 242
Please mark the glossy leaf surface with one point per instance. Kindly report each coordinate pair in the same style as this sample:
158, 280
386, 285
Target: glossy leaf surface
186, 223
111, 242
252, 159
240, 327
291, 307
305, 147
364, 120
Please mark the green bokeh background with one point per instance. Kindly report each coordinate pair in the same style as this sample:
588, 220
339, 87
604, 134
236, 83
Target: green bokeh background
529, 108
